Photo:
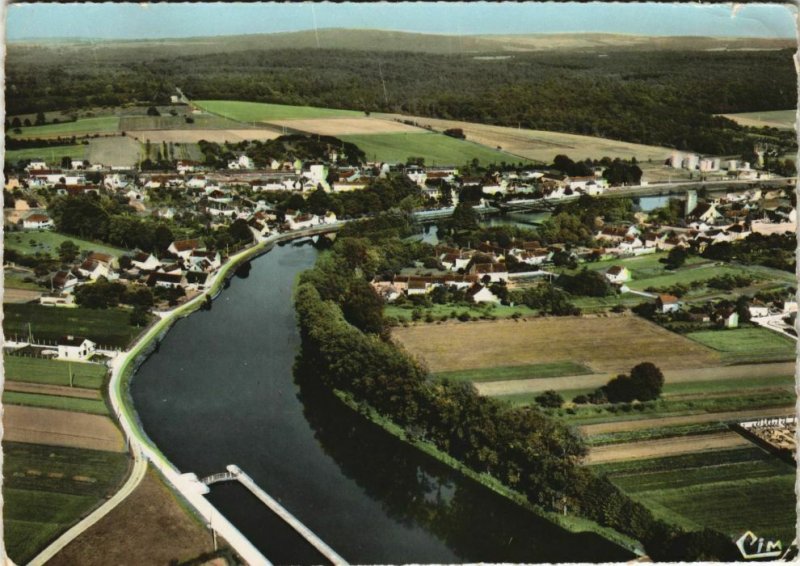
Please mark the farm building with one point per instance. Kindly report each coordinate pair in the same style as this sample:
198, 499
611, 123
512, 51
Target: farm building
75, 348
37, 222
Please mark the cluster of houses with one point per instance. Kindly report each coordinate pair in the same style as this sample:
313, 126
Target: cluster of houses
187, 265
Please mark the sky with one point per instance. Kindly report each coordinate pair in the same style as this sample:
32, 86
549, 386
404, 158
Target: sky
144, 21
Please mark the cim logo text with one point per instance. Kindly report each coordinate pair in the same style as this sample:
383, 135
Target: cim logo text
752, 547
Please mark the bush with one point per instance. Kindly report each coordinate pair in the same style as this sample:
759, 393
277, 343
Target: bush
464, 317
550, 399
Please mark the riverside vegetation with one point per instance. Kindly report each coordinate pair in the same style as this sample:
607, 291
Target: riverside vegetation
345, 338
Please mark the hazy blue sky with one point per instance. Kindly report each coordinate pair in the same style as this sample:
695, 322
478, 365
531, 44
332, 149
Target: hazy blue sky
131, 21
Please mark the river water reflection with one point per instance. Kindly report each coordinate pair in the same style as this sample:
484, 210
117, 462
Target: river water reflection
221, 390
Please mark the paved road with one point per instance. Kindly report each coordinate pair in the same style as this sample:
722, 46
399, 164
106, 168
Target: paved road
596, 380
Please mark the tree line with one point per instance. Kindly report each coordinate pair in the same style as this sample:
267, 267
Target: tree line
654, 98
344, 337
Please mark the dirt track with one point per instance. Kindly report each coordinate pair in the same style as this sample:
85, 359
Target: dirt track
718, 373
60, 390
61, 428
625, 426
666, 447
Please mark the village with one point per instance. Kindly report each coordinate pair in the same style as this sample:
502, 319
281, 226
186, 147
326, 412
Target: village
484, 272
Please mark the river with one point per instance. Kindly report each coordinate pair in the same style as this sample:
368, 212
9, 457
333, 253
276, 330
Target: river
221, 390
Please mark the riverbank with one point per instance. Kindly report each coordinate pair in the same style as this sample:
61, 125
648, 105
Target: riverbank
142, 449
569, 523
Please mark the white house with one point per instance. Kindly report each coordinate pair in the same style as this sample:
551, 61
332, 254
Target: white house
480, 294
64, 281
183, 248
145, 262
757, 310
299, 221
618, 274
243, 162
94, 270
75, 348
37, 222
36, 165
668, 303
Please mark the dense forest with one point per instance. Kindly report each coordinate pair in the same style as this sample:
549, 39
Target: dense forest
653, 97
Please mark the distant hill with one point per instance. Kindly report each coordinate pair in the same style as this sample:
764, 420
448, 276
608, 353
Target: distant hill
379, 40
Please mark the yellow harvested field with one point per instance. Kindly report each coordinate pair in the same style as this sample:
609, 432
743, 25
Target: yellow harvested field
608, 345
194, 136
345, 126
36, 425
666, 447
541, 145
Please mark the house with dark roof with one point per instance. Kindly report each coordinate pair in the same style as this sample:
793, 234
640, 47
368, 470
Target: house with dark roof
184, 248
75, 348
618, 274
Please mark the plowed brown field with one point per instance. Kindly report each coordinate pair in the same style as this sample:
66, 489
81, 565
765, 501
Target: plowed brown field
60, 428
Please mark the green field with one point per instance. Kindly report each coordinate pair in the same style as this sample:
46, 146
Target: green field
74, 404
53, 372
51, 155
732, 491
262, 112
168, 122
80, 127
437, 149
404, 313
48, 488
747, 344
17, 280
556, 369
108, 327
46, 241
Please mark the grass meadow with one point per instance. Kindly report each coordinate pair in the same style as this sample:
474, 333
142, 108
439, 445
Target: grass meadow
80, 127
262, 112
747, 344
74, 404
46, 241
53, 372
51, 155
437, 149
109, 327
733, 491
48, 488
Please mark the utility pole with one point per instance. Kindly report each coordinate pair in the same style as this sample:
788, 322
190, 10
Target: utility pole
71, 375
